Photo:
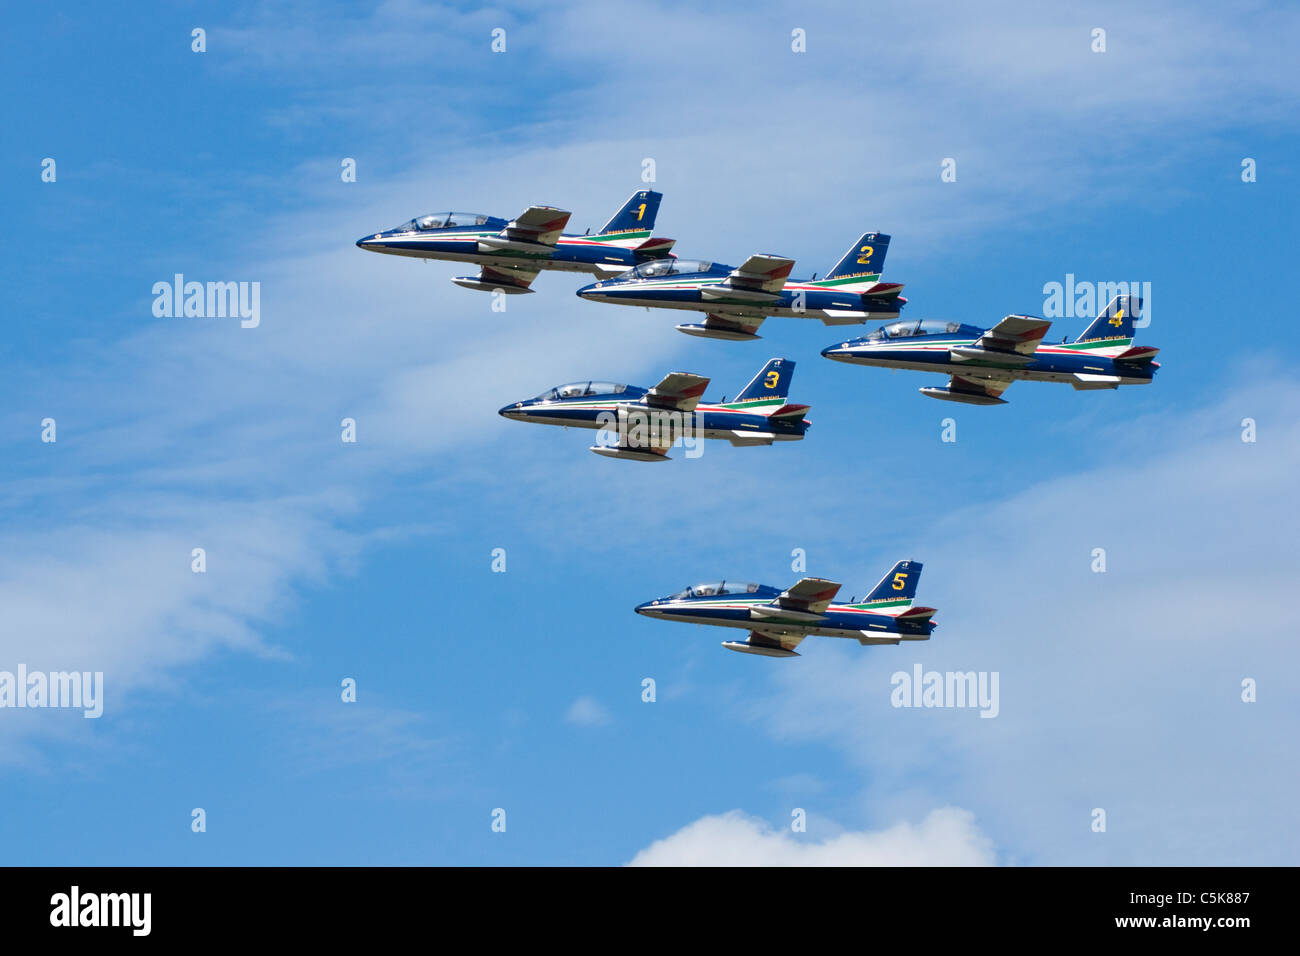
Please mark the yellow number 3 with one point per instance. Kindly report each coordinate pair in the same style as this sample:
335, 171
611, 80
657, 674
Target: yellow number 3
867, 253
772, 379
900, 580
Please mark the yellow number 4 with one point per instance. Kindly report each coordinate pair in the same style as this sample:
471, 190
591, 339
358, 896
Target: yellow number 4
1119, 317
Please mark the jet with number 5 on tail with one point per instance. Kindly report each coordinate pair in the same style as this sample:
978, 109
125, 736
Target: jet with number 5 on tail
778, 620
982, 363
511, 253
737, 300
647, 421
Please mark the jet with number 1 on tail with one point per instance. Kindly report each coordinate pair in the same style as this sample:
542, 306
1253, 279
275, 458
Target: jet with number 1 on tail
511, 253
737, 300
647, 421
982, 363
778, 620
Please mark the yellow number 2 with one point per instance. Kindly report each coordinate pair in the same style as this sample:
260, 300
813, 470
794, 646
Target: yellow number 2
865, 258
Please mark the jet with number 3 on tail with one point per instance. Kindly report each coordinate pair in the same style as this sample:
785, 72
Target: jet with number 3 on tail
778, 620
737, 300
982, 363
645, 422
511, 253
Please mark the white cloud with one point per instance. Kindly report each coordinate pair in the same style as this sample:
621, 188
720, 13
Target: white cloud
587, 712
946, 837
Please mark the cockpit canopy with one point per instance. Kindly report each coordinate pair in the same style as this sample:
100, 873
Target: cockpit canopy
581, 390
450, 220
667, 267
715, 588
910, 327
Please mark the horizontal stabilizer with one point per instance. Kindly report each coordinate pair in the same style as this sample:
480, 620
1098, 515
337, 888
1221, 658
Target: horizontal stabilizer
1138, 353
790, 412
655, 247
916, 615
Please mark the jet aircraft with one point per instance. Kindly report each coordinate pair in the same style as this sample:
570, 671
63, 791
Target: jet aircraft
778, 620
982, 363
511, 253
736, 301
648, 420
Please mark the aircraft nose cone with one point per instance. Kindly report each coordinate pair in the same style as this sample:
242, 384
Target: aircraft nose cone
648, 608
368, 242
514, 411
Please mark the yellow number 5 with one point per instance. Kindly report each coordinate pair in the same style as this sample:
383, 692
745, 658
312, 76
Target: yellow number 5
900, 580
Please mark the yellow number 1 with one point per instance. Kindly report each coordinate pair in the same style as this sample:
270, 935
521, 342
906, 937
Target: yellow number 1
640, 211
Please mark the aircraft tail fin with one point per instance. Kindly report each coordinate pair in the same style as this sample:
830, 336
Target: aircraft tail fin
861, 265
637, 214
1115, 321
898, 587
772, 381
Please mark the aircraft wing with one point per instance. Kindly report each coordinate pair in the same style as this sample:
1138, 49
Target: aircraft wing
507, 278
810, 594
540, 224
973, 389
767, 273
1015, 333
680, 391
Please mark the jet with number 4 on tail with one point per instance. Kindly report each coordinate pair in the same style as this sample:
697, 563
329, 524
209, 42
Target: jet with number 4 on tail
647, 421
778, 620
511, 253
737, 300
982, 363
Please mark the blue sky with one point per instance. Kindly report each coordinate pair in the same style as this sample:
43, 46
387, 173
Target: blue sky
522, 690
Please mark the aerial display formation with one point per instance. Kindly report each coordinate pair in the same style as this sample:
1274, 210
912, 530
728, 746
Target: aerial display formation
631, 266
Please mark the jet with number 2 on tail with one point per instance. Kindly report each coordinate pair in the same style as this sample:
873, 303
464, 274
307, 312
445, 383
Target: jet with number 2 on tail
647, 421
511, 253
737, 300
778, 620
982, 363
